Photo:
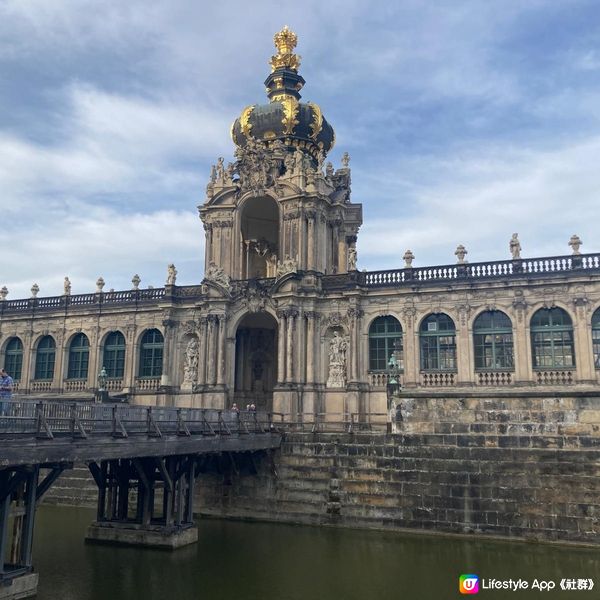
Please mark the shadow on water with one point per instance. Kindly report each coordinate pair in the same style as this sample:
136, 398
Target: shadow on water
259, 561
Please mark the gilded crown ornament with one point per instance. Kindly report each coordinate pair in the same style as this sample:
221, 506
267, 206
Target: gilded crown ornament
285, 42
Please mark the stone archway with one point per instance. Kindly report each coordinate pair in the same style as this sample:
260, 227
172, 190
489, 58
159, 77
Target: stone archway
256, 361
260, 237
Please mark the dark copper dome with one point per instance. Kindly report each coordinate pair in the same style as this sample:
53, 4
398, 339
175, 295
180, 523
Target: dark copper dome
296, 124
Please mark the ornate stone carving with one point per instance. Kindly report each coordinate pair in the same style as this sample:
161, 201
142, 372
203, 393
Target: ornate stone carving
3, 292
99, 285
67, 287
136, 280
515, 246
254, 298
35, 289
217, 275
287, 265
575, 243
190, 366
189, 327
338, 347
171, 274
460, 254
345, 160
408, 259
256, 166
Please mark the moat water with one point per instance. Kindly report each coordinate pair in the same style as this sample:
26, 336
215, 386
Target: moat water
258, 561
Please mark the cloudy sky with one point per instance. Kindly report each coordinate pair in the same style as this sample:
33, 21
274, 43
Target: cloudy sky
466, 122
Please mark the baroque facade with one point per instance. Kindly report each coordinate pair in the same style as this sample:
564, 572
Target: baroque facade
284, 319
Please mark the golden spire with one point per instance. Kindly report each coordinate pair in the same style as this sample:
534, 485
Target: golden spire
285, 42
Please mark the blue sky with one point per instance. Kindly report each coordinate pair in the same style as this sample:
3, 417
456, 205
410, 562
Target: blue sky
465, 121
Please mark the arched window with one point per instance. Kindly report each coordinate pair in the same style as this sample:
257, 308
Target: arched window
44, 358
385, 339
552, 339
13, 358
79, 357
595, 338
493, 341
151, 354
437, 337
113, 358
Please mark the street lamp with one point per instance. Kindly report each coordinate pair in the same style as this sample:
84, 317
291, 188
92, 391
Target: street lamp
393, 393
102, 381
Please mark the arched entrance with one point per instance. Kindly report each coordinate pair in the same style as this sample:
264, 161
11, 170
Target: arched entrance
260, 237
256, 361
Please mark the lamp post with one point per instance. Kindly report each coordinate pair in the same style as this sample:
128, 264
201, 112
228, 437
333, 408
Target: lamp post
393, 393
102, 395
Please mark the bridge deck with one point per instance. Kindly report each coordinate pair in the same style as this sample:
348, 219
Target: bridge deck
54, 432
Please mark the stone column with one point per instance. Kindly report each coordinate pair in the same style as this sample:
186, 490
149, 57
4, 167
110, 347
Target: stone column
28, 363
310, 347
129, 373
522, 345
311, 241
281, 337
170, 328
584, 356
221, 349
211, 351
93, 369
463, 348
202, 341
410, 344
59, 362
291, 328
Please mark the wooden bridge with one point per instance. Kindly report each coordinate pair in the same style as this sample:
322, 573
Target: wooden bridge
144, 461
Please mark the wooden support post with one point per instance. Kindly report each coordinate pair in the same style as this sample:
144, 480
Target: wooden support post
4, 513
31, 497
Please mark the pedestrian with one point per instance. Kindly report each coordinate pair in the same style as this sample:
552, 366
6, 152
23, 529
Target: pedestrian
253, 407
234, 407
247, 407
6, 387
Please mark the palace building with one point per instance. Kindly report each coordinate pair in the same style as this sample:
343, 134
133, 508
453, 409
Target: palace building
284, 319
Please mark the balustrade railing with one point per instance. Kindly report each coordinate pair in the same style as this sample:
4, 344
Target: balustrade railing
484, 270
494, 378
438, 379
75, 385
50, 419
41, 386
147, 384
556, 377
379, 379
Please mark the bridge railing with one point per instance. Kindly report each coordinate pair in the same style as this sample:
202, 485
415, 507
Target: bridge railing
50, 419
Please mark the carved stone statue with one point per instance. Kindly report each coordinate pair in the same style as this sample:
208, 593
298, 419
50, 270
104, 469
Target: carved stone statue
288, 265
255, 165
289, 162
67, 287
3, 292
171, 274
35, 290
136, 280
99, 285
352, 258
338, 347
345, 160
272, 265
575, 243
329, 171
515, 246
220, 170
460, 254
408, 259
217, 275
190, 367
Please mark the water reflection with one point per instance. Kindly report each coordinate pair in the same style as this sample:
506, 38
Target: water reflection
257, 561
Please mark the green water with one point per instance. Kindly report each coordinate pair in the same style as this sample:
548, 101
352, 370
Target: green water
257, 561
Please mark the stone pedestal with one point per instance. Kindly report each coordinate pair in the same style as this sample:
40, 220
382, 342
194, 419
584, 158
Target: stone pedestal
168, 538
24, 586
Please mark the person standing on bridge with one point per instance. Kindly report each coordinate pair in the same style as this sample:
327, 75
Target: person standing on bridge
6, 387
